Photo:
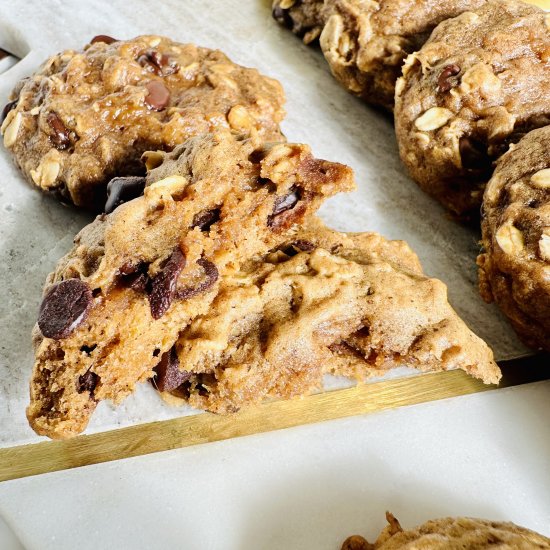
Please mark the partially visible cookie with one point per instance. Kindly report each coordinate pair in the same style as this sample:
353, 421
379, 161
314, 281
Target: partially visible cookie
302, 17
452, 534
117, 302
480, 82
365, 43
87, 116
514, 269
325, 302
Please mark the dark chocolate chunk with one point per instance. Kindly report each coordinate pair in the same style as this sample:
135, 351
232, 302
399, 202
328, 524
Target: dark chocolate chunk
163, 286
284, 203
473, 154
61, 134
135, 277
64, 308
103, 38
158, 95
8, 107
121, 190
305, 246
212, 274
205, 219
298, 245
444, 84
168, 375
87, 382
160, 64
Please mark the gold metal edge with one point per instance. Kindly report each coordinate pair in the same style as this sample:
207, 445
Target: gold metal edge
51, 456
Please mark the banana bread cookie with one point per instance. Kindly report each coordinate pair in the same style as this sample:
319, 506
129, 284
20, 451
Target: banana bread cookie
303, 17
514, 269
452, 534
325, 302
480, 82
137, 277
365, 43
87, 116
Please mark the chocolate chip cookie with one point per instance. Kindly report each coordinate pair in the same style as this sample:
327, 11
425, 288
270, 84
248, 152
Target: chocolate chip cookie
302, 17
365, 43
325, 302
480, 82
87, 116
135, 278
514, 269
452, 534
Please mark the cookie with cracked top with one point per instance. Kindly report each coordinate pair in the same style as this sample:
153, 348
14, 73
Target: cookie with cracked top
365, 43
136, 278
514, 268
87, 116
452, 534
325, 302
478, 84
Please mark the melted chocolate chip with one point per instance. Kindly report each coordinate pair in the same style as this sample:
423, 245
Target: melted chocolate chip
135, 277
64, 308
473, 154
168, 375
205, 219
163, 286
103, 38
284, 203
158, 95
121, 190
61, 134
299, 245
212, 274
87, 382
158, 63
9, 106
303, 245
444, 84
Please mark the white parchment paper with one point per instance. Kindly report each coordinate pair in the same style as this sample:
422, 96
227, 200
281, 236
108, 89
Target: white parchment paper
35, 231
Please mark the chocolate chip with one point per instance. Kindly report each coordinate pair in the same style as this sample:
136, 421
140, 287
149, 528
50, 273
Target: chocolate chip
163, 286
87, 382
305, 246
9, 106
121, 190
284, 203
158, 63
473, 154
64, 308
444, 84
61, 134
135, 277
168, 375
205, 219
212, 274
158, 95
299, 245
103, 38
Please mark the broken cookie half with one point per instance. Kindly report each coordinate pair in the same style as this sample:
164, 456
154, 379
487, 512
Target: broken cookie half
135, 278
324, 302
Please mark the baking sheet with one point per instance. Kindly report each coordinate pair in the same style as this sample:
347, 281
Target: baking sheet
35, 230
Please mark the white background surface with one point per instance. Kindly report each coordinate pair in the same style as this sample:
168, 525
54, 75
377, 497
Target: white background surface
35, 230
309, 487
